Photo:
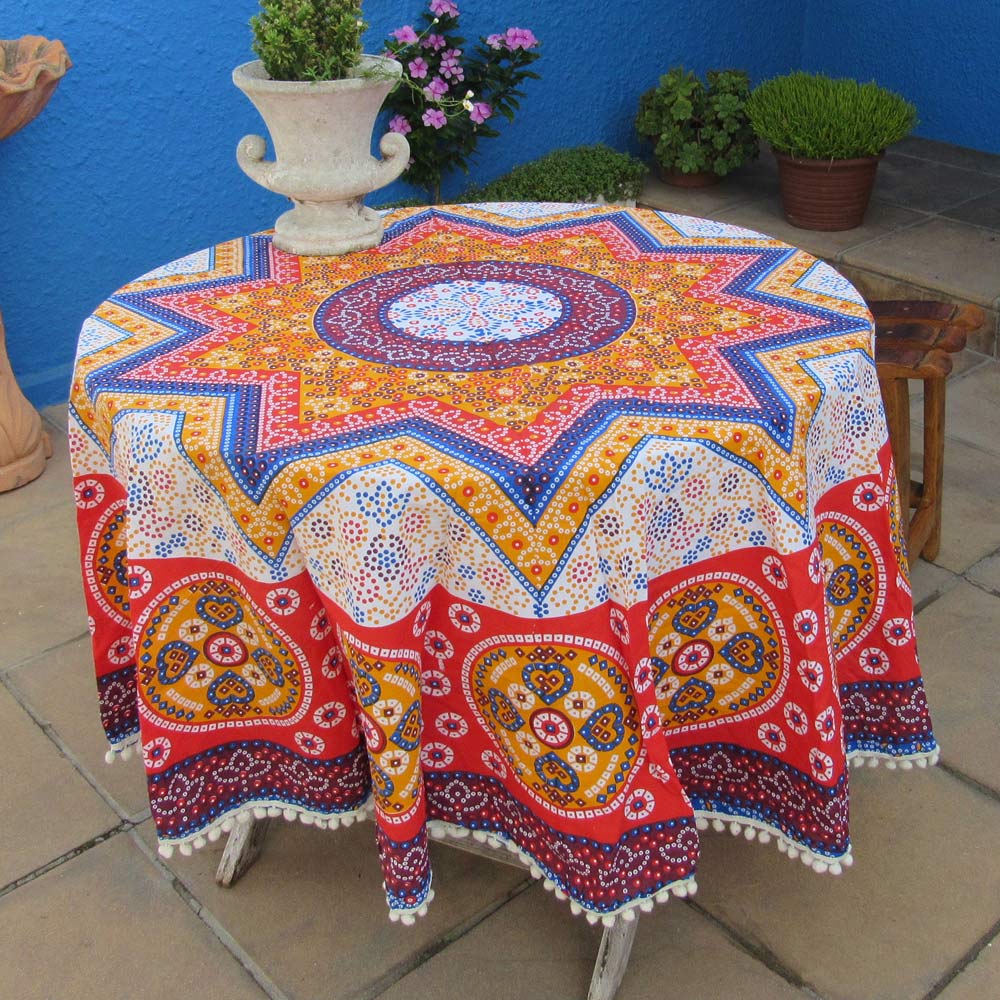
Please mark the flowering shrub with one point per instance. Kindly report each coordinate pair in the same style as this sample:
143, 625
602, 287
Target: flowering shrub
451, 97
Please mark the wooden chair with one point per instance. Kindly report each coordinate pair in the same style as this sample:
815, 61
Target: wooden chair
915, 340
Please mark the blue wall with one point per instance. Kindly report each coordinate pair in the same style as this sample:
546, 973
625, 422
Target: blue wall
132, 163
939, 54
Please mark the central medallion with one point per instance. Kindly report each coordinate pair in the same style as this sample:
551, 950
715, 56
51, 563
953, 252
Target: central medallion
475, 316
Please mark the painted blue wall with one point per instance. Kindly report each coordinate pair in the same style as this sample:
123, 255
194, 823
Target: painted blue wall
132, 163
939, 54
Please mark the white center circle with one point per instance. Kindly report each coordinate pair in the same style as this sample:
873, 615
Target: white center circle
478, 312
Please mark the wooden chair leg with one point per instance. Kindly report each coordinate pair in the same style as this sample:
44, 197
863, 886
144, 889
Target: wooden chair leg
612, 959
896, 400
246, 840
933, 488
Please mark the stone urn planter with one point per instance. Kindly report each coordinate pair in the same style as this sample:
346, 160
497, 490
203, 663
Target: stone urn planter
30, 69
322, 134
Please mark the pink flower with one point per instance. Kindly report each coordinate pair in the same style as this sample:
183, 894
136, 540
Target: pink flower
434, 42
418, 68
400, 124
450, 66
495, 41
480, 112
436, 89
520, 38
434, 118
406, 34
443, 8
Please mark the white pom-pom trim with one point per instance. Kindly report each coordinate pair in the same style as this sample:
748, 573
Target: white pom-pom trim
123, 749
863, 758
258, 811
752, 829
408, 917
439, 830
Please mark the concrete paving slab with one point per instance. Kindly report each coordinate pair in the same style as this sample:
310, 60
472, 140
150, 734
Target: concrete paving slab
972, 414
943, 152
766, 216
61, 689
107, 925
979, 980
924, 888
41, 593
928, 581
982, 211
987, 573
961, 260
52, 488
928, 186
700, 202
48, 808
533, 947
312, 911
958, 637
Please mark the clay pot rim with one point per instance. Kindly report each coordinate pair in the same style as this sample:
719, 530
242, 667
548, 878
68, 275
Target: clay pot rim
251, 76
806, 161
39, 57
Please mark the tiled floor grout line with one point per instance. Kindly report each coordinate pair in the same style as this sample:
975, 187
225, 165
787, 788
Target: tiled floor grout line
17, 664
964, 962
757, 951
205, 915
402, 969
61, 859
838, 258
969, 781
49, 731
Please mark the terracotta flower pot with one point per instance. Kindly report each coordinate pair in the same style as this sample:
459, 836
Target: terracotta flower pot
30, 69
322, 135
828, 195
680, 179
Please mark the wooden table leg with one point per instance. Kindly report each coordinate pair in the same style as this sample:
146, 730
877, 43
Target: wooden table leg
246, 840
612, 959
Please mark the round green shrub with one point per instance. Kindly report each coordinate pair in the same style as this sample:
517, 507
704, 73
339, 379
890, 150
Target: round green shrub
816, 117
698, 129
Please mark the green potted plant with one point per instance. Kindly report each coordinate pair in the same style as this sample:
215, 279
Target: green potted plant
319, 97
828, 136
701, 133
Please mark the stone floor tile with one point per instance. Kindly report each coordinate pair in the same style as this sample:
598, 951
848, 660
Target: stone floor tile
53, 487
534, 947
958, 636
48, 809
312, 910
986, 572
702, 202
961, 260
970, 507
41, 593
981, 211
57, 415
973, 408
980, 979
923, 890
928, 580
926, 185
766, 216
955, 156
60, 687
107, 925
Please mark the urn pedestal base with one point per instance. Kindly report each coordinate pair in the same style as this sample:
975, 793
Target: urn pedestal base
319, 229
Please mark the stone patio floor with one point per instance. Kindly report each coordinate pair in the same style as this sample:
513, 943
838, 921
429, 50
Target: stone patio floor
87, 908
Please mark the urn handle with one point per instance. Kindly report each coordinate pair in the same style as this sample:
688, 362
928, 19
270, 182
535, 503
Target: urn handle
395, 152
250, 157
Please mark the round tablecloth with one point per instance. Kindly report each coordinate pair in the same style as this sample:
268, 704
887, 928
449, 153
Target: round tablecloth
572, 526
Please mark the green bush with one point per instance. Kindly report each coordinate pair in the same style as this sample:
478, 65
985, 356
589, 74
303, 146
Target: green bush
816, 117
308, 39
698, 129
582, 173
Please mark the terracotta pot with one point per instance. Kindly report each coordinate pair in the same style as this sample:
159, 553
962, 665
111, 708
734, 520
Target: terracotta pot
322, 135
828, 195
679, 179
30, 69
